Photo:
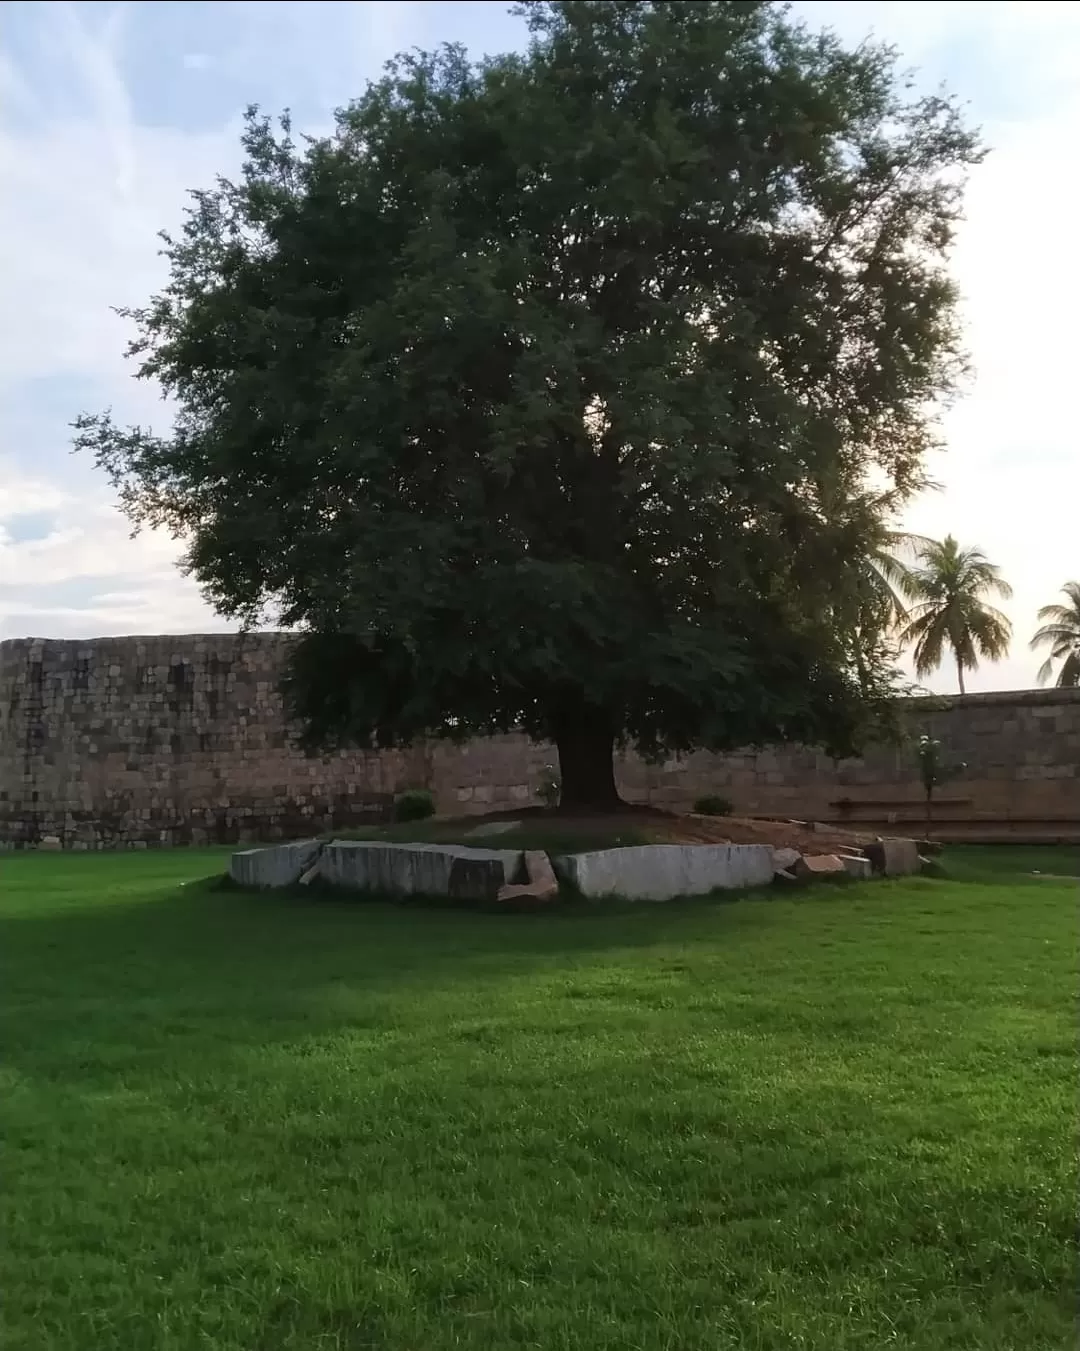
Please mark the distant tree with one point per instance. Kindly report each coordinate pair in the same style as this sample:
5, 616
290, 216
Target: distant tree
509, 396
863, 581
934, 771
1061, 634
949, 587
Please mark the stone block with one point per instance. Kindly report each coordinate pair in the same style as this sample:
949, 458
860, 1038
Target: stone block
857, 865
785, 859
310, 874
818, 865
278, 865
542, 884
417, 869
660, 872
893, 857
475, 879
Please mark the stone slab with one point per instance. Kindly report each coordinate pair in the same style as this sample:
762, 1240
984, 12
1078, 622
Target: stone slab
475, 879
818, 865
419, 869
542, 884
277, 865
893, 857
312, 873
660, 872
855, 865
785, 859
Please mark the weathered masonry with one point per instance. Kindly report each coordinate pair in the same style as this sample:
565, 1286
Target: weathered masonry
170, 740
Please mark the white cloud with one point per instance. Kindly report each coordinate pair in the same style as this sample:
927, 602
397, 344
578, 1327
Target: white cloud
86, 576
83, 202
84, 199
87, 187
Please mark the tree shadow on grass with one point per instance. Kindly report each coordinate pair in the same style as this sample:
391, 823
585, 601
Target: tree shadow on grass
200, 962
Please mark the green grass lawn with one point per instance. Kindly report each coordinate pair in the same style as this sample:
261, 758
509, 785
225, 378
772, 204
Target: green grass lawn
838, 1119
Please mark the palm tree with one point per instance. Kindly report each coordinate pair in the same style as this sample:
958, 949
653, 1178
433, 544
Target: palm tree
860, 518
866, 598
871, 609
885, 576
1061, 634
949, 587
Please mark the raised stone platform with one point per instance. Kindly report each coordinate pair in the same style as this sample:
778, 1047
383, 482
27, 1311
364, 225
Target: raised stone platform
660, 872
279, 865
654, 872
419, 869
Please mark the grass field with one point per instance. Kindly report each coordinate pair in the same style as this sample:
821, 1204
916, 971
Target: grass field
841, 1119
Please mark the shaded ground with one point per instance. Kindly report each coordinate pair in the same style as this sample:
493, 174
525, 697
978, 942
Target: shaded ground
741, 830
843, 1119
564, 830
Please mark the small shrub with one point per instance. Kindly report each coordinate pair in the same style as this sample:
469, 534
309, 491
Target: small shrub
549, 789
712, 804
933, 769
415, 804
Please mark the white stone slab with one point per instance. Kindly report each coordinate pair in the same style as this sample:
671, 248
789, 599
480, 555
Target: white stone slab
857, 866
660, 872
276, 865
416, 869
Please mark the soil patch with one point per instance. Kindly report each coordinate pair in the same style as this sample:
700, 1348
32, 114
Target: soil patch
661, 827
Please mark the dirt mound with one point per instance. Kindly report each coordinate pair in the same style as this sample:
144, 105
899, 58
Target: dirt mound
663, 827
747, 830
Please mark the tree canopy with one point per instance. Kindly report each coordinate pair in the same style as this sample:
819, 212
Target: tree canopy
523, 396
1060, 632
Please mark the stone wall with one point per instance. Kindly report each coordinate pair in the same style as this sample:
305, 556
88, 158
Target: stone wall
170, 740
1021, 781
173, 740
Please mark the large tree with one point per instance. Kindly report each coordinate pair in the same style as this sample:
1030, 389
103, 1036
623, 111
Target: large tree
950, 589
515, 395
1060, 632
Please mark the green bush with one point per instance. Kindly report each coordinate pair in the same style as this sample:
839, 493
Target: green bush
415, 804
713, 805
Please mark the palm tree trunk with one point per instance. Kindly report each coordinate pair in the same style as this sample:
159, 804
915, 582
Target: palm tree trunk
960, 673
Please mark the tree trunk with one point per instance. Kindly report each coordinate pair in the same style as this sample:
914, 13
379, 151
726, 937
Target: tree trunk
960, 673
586, 744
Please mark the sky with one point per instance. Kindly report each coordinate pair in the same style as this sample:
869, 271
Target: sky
110, 113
